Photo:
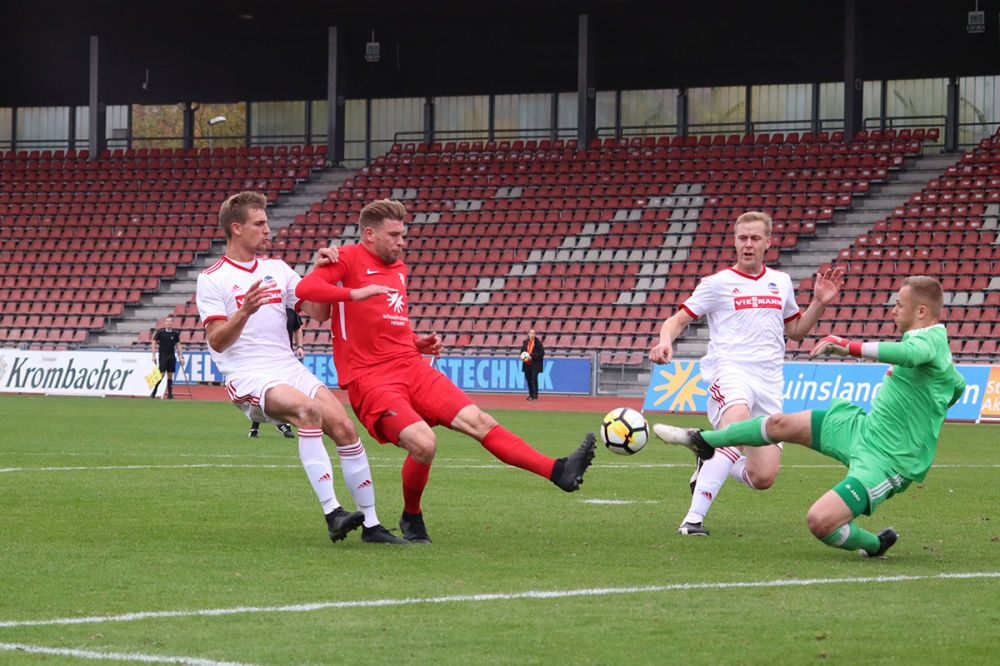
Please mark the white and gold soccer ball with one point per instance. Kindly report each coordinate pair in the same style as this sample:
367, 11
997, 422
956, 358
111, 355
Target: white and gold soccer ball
624, 431
525, 356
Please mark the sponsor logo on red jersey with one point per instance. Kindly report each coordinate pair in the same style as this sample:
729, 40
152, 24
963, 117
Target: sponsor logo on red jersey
754, 302
271, 296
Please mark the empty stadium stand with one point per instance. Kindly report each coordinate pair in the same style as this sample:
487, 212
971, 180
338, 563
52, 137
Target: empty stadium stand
595, 247
82, 240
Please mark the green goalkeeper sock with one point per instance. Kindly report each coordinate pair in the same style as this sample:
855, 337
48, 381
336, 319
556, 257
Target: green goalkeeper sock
852, 537
736, 434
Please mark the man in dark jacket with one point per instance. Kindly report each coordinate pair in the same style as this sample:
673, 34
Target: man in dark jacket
532, 353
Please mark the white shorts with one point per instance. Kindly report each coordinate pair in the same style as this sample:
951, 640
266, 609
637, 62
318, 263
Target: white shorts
248, 391
735, 388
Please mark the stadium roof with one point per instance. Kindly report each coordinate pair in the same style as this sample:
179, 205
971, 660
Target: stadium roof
229, 50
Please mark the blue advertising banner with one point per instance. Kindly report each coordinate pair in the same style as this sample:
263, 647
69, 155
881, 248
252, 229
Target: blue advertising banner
679, 387
477, 374
502, 374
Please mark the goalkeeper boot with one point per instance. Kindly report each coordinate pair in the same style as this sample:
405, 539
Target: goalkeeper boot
412, 527
340, 522
568, 472
886, 540
689, 438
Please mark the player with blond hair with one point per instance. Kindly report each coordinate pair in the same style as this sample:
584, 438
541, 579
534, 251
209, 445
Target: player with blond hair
750, 309
885, 450
242, 299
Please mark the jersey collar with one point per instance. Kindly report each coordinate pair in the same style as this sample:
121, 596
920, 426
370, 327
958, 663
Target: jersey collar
763, 270
240, 266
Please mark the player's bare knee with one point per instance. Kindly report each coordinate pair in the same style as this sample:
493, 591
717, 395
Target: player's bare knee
341, 431
422, 449
777, 424
310, 415
819, 523
762, 480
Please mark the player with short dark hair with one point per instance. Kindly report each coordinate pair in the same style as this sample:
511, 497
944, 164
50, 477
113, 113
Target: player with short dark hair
395, 393
169, 342
885, 450
242, 300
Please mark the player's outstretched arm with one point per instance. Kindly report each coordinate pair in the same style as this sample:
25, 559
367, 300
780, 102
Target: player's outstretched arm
908, 353
825, 291
663, 351
320, 286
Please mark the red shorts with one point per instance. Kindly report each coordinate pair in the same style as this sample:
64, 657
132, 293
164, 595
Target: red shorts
395, 396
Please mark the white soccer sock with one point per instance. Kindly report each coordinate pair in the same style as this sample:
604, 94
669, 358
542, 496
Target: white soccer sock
358, 477
316, 462
713, 474
739, 472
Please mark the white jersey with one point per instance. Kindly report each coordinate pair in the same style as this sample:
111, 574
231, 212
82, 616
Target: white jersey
746, 322
264, 340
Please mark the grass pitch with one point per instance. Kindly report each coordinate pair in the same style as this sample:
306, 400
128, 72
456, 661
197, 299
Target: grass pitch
139, 531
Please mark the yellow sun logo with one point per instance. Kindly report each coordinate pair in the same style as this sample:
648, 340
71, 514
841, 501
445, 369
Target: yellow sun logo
681, 386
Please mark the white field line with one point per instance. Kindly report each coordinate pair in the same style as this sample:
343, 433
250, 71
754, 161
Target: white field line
116, 656
533, 594
394, 465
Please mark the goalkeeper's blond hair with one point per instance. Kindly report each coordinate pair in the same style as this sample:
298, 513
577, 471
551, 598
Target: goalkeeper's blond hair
926, 291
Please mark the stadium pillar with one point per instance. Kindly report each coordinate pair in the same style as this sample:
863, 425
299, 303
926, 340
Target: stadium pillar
951, 116
98, 111
883, 104
428, 120
71, 129
682, 112
618, 115
817, 126
249, 133
491, 135
334, 100
308, 138
554, 130
748, 110
854, 85
189, 110
368, 131
586, 92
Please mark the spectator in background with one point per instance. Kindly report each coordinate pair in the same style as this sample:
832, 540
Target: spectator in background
168, 340
295, 340
532, 353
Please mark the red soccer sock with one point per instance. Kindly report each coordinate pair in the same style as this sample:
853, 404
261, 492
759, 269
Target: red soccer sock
414, 481
514, 451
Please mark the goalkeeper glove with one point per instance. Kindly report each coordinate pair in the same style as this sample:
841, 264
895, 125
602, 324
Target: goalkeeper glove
833, 345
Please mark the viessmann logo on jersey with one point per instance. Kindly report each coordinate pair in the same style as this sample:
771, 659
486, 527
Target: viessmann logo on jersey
754, 302
270, 297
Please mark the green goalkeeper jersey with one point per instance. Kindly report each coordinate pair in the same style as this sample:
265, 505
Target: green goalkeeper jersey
909, 409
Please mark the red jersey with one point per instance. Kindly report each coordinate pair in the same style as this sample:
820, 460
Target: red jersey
365, 333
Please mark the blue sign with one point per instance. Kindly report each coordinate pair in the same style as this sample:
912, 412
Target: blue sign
679, 387
502, 374
199, 367
476, 374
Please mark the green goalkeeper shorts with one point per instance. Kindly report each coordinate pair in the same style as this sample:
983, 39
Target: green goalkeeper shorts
840, 437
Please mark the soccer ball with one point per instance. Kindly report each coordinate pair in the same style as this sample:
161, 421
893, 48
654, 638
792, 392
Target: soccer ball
624, 431
525, 356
